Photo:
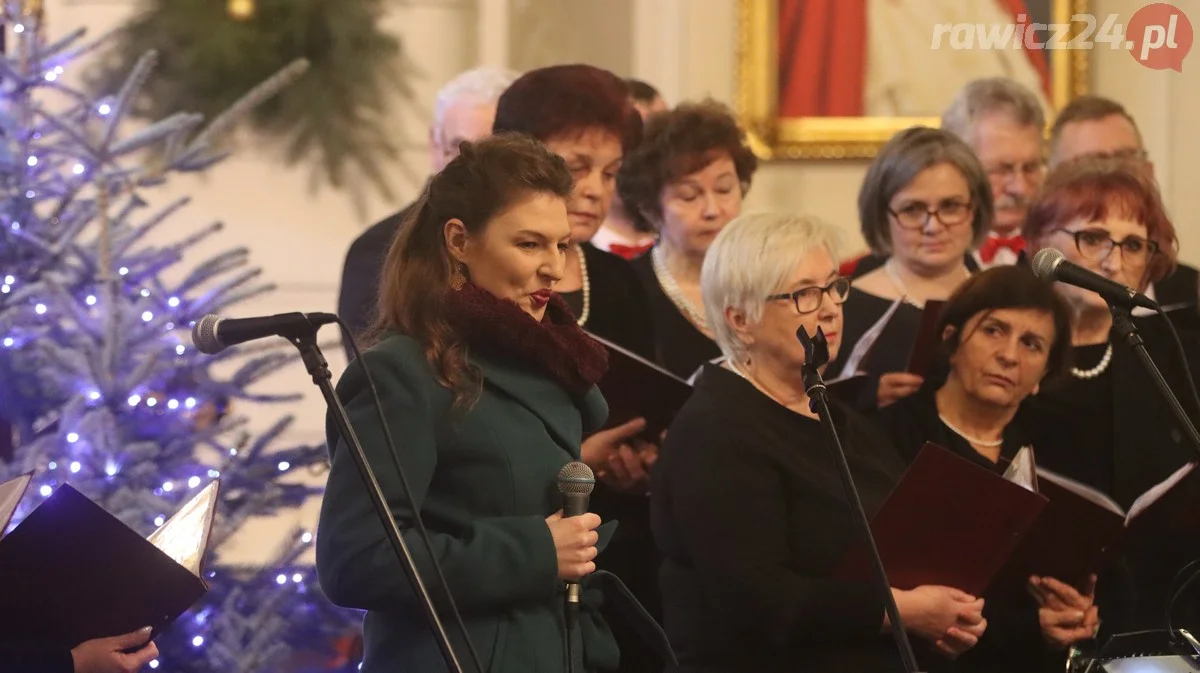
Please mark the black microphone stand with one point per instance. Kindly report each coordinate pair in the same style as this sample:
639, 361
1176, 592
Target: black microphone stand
816, 355
1124, 327
305, 339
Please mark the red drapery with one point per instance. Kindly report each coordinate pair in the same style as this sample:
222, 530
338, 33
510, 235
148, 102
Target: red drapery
823, 56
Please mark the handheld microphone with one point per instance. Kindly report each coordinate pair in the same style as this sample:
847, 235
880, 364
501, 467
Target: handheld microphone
575, 483
1049, 264
213, 334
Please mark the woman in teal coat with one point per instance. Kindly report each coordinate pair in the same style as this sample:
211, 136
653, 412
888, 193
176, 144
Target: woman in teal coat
488, 388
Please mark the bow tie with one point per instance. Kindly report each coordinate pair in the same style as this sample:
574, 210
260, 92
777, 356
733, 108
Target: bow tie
987, 251
629, 251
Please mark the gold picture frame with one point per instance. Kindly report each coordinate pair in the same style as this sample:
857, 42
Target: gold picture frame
775, 137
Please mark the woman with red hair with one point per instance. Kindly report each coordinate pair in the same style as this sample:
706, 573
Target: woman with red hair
1106, 425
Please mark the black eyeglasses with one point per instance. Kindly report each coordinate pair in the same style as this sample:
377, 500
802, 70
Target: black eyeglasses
916, 215
808, 299
1096, 245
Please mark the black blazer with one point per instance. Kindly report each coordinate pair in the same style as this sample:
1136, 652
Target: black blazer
749, 512
1148, 445
359, 291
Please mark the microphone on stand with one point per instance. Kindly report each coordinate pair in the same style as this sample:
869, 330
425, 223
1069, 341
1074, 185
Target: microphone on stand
213, 334
816, 356
1050, 264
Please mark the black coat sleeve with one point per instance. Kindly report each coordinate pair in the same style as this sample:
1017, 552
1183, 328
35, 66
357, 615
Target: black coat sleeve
33, 660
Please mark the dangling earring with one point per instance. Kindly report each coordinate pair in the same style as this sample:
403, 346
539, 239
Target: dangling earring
457, 279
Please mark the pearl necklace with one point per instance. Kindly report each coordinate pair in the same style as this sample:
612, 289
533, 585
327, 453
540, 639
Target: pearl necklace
587, 287
671, 288
990, 444
1098, 369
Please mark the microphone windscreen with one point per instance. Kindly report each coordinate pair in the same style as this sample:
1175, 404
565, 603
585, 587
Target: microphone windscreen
204, 335
576, 478
1045, 262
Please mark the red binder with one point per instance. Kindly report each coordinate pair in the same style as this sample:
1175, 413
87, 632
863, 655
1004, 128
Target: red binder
948, 522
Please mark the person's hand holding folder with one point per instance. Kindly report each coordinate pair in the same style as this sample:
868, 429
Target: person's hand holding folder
950, 619
619, 457
1067, 615
120, 654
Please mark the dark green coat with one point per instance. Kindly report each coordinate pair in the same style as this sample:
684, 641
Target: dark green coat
485, 481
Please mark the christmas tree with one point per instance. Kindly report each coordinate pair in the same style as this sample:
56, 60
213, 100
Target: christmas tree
99, 384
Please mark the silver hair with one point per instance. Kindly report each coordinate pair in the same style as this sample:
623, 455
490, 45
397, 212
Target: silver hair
479, 85
899, 162
988, 96
753, 257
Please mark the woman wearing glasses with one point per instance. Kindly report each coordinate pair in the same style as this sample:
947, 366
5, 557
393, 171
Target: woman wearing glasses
748, 506
1107, 425
924, 203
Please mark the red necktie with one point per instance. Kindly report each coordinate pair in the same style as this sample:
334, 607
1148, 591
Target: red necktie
987, 251
629, 251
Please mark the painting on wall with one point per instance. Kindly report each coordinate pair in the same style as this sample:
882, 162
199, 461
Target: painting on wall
836, 78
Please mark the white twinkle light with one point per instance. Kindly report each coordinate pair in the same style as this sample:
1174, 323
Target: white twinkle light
306, 538
10, 280
45, 491
72, 437
180, 350
282, 579
40, 308
168, 486
173, 302
76, 467
91, 300
159, 520
104, 108
134, 400
173, 404
284, 465
147, 316
193, 482
78, 169
32, 161
8, 342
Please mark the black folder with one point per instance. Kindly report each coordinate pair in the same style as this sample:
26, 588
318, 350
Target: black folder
634, 387
73, 572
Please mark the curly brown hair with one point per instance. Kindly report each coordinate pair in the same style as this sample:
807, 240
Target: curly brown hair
677, 143
486, 178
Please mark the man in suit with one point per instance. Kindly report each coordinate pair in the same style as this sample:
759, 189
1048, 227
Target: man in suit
1098, 126
465, 110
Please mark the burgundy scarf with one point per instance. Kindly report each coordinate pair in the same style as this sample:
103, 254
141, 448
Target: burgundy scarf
556, 346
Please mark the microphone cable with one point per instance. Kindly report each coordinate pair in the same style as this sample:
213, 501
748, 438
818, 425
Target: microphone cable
417, 519
1187, 370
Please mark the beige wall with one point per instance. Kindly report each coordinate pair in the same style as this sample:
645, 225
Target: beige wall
686, 47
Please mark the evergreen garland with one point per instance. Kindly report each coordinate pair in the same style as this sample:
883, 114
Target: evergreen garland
335, 117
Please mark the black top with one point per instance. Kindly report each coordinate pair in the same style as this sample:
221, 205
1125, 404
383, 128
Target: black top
618, 310
1091, 399
26, 660
679, 347
1013, 641
890, 352
749, 512
359, 293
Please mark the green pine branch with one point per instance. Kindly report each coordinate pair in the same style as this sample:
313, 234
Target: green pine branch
337, 118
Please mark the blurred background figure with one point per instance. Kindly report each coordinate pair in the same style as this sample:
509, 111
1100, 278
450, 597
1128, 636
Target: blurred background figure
621, 234
464, 110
